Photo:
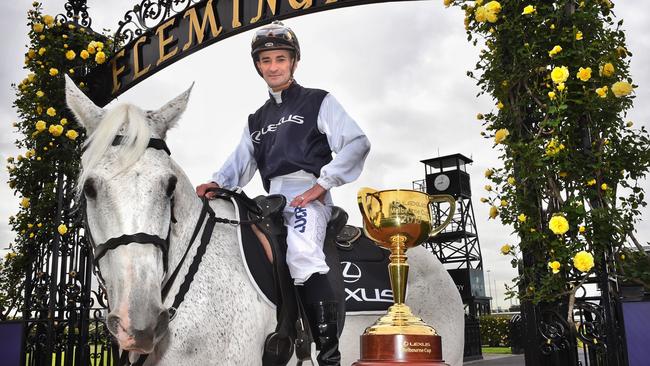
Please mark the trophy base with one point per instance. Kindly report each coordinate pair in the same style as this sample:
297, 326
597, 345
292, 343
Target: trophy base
400, 349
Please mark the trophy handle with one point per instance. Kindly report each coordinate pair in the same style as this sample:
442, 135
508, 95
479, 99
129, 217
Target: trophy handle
452, 211
362, 200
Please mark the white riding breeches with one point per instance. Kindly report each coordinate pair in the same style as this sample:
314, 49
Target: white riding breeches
306, 226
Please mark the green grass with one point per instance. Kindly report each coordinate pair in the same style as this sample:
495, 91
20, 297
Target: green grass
92, 349
497, 350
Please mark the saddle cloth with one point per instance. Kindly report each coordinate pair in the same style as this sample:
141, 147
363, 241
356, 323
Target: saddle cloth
363, 268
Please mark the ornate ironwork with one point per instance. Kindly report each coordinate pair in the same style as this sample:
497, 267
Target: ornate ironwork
76, 12
146, 16
64, 310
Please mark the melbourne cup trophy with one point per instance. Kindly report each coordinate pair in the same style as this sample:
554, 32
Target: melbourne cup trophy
397, 220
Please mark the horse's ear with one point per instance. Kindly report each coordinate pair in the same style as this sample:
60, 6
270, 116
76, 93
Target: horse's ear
166, 116
85, 111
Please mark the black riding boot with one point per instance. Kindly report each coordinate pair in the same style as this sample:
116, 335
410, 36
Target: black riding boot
323, 323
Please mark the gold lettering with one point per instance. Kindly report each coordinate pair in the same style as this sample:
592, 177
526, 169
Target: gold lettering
137, 72
304, 4
116, 71
235, 14
162, 42
199, 30
260, 5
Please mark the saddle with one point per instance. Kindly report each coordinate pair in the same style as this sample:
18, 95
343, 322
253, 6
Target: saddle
263, 247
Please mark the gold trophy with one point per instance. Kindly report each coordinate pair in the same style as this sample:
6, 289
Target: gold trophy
397, 220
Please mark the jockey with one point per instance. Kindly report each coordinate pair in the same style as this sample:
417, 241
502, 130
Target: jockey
290, 140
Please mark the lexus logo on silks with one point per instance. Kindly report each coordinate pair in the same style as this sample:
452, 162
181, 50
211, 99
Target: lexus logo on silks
351, 272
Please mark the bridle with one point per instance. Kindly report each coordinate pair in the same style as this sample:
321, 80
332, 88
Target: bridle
206, 216
99, 250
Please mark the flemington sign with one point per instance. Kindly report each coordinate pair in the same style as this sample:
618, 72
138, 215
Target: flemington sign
196, 27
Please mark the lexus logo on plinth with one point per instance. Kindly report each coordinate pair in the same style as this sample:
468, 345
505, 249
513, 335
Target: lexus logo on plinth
351, 272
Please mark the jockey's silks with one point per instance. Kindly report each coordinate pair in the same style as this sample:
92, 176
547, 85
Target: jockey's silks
286, 137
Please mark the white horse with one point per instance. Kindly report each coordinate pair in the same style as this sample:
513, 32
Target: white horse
223, 320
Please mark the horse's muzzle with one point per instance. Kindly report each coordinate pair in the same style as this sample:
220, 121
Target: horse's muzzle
139, 340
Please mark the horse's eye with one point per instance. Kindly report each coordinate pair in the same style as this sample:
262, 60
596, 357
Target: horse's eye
171, 185
89, 188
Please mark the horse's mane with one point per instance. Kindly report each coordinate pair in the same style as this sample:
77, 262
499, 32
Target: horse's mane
130, 122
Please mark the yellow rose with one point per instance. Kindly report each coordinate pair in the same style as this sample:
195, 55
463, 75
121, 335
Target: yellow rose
99, 45
84, 54
500, 105
31, 53
71, 134
493, 6
529, 9
54, 71
621, 88
62, 229
51, 112
480, 14
606, 70
491, 16
504, 203
37, 27
506, 249
494, 212
584, 74
40, 94
511, 181
583, 261
603, 186
558, 225
447, 3
488, 173
602, 92
578, 36
522, 218
41, 51
56, 130
582, 229
591, 182
554, 266
70, 55
554, 51
560, 74
63, 121
40, 125
25, 202
48, 20
501, 135
551, 95
480, 116
561, 87
488, 188
483, 199
100, 57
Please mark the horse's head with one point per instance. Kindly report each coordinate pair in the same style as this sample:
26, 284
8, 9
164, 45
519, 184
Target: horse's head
128, 189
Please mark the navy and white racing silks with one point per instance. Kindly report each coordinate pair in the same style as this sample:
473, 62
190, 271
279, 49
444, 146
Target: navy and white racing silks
290, 139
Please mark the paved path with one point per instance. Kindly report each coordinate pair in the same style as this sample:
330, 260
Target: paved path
498, 360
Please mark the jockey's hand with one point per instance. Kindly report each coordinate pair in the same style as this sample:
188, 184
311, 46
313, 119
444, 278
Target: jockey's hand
314, 193
202, 190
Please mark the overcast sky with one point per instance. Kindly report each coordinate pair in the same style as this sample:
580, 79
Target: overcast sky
397, 68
